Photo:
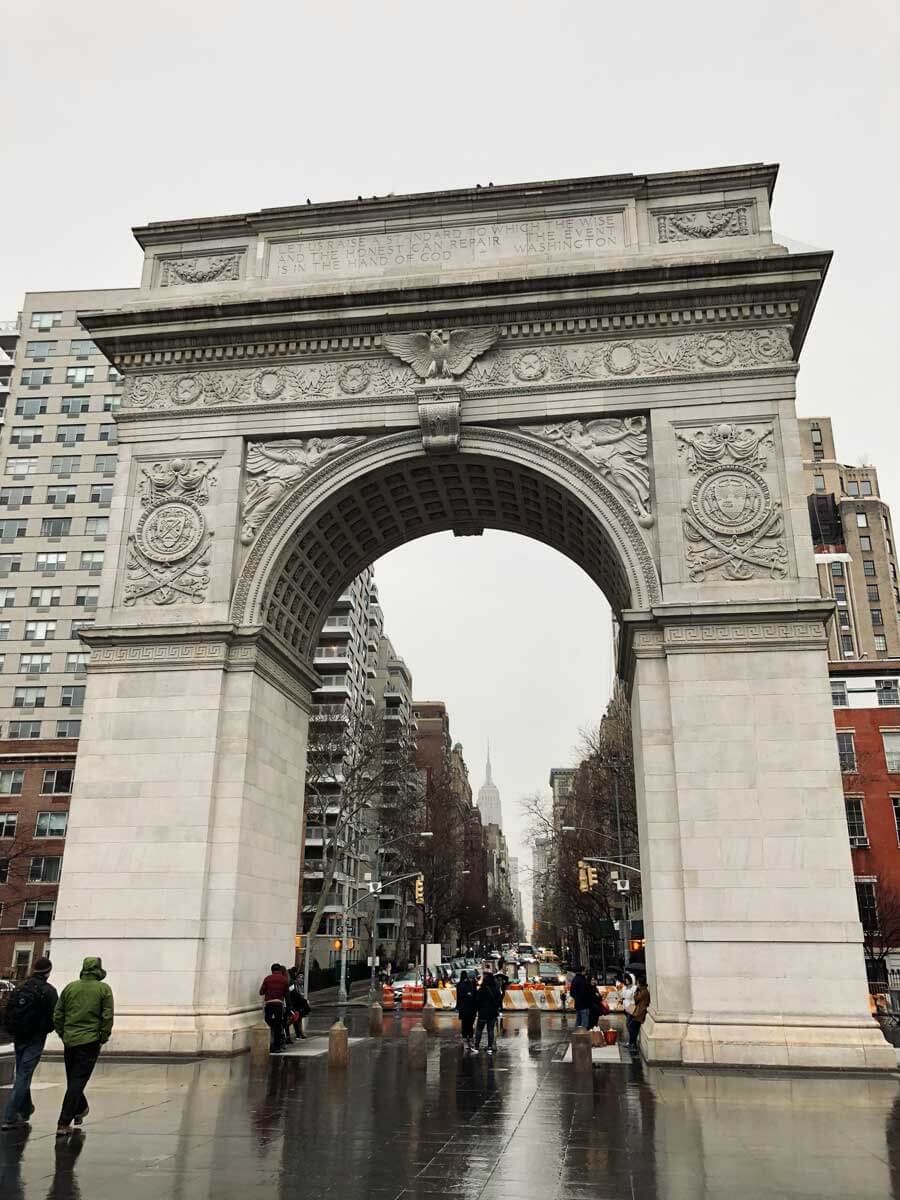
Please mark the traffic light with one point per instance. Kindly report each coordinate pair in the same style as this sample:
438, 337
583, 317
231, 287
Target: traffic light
583, 884
593, 879
420, 890
336, 944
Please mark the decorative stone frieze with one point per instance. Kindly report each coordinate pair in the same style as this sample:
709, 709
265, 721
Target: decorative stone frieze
274, 467
744, 634
690, 224
616, 448
201, 268
606, 362
168, 551
733, 524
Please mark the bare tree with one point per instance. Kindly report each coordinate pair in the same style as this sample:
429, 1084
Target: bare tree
881, 931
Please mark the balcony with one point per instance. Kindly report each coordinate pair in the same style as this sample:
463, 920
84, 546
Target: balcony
332, 656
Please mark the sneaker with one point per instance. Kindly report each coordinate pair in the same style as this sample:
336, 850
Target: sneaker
76, 1121
16, 1124
490, 1051
475, 1050
63, 1130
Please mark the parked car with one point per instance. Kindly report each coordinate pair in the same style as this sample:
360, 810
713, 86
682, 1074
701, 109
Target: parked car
6, 990
402, 982
551, 973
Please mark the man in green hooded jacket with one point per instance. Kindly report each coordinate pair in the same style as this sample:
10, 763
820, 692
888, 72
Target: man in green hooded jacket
83, 1019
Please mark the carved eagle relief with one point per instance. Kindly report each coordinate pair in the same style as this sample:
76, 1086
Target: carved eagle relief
440, 354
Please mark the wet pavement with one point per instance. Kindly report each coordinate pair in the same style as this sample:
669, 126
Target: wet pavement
520, 1125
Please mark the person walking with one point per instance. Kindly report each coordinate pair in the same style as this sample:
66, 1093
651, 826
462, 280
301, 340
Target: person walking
467, 1007
274, 989
298, 1005
28, 1020
83, 1018
635, 1019
580, 991
488, 1002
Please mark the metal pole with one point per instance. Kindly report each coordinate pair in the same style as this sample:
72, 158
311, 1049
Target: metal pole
342, 983
624, 895
375, 917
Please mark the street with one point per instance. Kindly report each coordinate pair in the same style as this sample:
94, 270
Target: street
519, 1125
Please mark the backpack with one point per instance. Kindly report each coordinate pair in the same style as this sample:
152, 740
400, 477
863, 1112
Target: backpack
25, 1015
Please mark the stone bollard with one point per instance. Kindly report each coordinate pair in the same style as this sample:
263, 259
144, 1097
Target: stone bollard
417, 1051
581, 1050
259, 1045
376, 1020
338, 1046
429, 1020
534, 1023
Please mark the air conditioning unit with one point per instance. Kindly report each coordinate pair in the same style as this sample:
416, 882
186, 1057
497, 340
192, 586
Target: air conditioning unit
27, 922
859, 843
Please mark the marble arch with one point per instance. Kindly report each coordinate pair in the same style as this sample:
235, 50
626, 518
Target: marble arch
607, 364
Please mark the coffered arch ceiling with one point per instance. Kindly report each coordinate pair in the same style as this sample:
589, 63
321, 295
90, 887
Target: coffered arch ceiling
388, 492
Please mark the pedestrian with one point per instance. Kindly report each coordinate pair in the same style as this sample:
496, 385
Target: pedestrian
28, 1020
467, 1007
635, 1019
488, 1002
274, 989
596, 1003
83, 1018
580, 991
297, 1004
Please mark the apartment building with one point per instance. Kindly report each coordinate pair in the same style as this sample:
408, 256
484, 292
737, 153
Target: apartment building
9, 335
855, 549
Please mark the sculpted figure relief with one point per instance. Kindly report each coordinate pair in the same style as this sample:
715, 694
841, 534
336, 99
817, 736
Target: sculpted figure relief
440, 355
274, 467
616, 448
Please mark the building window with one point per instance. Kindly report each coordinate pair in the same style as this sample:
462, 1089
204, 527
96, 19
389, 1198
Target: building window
819, 482
15, 497
865, 543
846, 752
44, 868
838, 693
837, 570
852, 487
51, 825
101, 493
895, 801
105, 464
86, 597
77, 626
70, 435
818, 455
11, 782
59, 497
45, 597
847, 644
891, 740
25, 435
38, 913
24, 730
45, 321
843, 618
40, 350
35, 377
21, 466
4, 630
92, 560
29, 697
96, 526
56, 527
888, 691
872, 593
65, 464
868, 566
73, 406
815, 434
10, 564
114, 377
57, 782
50, 562
68, 729
865, 487
79, 376
13, 528
856, 823
868, 910
862, 520
82, 348
7, 597
880, 643
33, 406
71, 696
112, 404
840, 593
110, 435
34, 664
876, 615
77, 661
8, 824
40, 631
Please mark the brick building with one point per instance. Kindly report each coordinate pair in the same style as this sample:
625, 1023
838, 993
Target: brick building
35, 788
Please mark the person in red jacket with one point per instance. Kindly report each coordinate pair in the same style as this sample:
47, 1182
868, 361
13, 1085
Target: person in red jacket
273, 990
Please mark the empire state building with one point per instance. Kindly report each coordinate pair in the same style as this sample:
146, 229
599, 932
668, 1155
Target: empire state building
489, 797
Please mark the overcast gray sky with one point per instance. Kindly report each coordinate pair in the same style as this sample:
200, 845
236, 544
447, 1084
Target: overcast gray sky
120, 113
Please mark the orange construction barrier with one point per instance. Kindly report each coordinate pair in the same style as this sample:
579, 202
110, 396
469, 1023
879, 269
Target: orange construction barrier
387, 996
413, 999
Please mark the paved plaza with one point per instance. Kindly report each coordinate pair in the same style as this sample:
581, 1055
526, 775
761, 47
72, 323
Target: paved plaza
519, 1125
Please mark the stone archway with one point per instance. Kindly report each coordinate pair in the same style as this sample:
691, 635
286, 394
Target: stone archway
607, 365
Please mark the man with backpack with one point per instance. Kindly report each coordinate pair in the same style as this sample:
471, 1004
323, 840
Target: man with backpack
29, 1018
83, 1019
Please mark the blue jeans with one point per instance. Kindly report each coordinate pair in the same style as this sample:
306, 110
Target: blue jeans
582, 1018
28, 1055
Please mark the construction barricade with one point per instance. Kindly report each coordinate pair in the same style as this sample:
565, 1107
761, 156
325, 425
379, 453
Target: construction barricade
413, 999
387, 996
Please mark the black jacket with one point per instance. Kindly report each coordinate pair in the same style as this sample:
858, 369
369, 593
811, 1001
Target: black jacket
580, 991
466, 998
42, 1014
489, 999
